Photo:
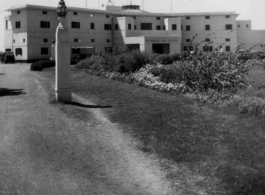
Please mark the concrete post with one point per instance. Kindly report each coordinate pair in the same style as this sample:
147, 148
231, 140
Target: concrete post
62, 59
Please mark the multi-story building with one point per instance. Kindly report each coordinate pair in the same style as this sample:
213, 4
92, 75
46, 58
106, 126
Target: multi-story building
30, 30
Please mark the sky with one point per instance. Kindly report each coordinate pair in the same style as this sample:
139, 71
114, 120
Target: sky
248, 9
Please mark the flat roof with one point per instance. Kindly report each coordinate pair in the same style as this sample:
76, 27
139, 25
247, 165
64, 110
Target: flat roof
27, 6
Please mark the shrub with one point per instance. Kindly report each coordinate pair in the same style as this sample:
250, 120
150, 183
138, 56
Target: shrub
39, 65
164, 59
86, 63
175, 56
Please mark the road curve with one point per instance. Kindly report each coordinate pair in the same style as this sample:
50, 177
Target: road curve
43, 151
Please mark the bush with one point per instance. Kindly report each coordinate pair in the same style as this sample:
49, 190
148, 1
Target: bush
39, 65
86, 63
175, 56
164, 59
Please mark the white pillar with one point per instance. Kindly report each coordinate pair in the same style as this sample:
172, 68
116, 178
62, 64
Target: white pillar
62, 59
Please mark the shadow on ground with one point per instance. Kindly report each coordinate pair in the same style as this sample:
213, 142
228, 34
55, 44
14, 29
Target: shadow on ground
88, 106
10, 92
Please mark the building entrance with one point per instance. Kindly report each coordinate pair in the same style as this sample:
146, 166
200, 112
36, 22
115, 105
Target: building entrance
161, 48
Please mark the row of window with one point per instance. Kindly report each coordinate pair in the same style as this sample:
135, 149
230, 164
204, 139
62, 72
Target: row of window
208, 40
206, 48
206, 17
43, 51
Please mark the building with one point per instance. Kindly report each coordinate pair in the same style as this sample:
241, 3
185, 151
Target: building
30, 30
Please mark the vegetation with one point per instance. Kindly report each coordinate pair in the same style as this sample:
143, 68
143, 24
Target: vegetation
39, 65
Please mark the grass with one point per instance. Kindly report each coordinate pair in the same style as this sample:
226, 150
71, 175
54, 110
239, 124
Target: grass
204, 149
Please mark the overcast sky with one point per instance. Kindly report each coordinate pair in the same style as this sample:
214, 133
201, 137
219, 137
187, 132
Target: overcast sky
248, 9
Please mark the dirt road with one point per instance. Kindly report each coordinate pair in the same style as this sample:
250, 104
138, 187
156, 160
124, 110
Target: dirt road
43, 151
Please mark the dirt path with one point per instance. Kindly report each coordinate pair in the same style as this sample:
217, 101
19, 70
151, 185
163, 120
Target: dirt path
44, 151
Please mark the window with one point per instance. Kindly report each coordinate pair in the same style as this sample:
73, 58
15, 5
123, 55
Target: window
24, 40
158, 18
174, 27
44, 50
188, 48
227, 48
207, 40
93, 40
208, 48
187, 17
158, 27
45, 40
7, 49
108, 40
92, 25
164, 27
75, 13
207, 17
181, 27
134, 27
17, 24
207, 27
188, 28
14, 40
228, 27
247, 25
6, 24
134, 17
18, 51
146, 26
108, 49
18, 12
107, 26
107, 16
44, 24
227, 40
187, 40
44, 12
75, 24
238, 26
129, 27
116, 27
227, 16
75, 40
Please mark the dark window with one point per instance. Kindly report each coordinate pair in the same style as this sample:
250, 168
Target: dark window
18, 12
164, 27
238, 26
7, 49
75, 13
228, 26
14, 40
116, 27
134, 27
146, 26
92, 25
186, 48
207, 27
207, 17
75, 24
187, 17
75, 40
187, 40
181, 27
174, 27
208, 48
207, 40
24, 40
107, 16
17, 24
108, 40
107, 26
92, 40
227, 40
108, 49
227, 48
158, 18
18, 51
227, 16
134, 17
247, 25
129, 27
6, 24
44, 50
188, 28
45, 40
44, 12
158, 27
44, 24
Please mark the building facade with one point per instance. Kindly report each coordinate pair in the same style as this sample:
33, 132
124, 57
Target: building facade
30, 30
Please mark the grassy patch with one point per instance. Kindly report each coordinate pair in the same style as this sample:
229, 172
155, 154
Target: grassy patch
205, 149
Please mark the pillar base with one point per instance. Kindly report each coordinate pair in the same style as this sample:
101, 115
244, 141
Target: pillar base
63, 95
